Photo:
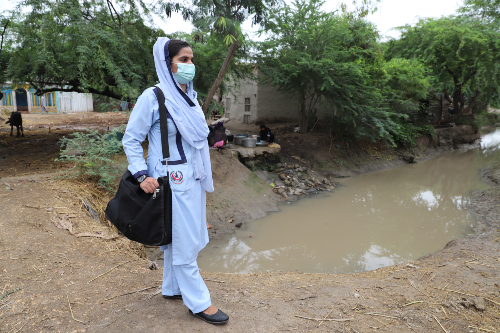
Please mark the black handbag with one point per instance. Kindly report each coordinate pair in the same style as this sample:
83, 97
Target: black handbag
143, 217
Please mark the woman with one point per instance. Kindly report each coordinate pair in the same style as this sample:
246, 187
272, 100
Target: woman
188, 170
265, 135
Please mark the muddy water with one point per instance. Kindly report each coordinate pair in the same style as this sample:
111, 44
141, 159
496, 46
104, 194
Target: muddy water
373, 220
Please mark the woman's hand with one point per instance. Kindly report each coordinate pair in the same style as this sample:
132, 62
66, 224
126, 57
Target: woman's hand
149, 185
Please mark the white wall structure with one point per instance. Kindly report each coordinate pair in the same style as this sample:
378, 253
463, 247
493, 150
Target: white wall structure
72, 102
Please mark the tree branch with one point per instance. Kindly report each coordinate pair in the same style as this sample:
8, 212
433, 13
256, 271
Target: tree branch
76, 88
111, 12
3, 33
474, 99
85, 16
237, 10
455, 79
225, 65
117, 15
447, 96
470, 76
216, 4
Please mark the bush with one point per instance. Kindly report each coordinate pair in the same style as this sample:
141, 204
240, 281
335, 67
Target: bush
485, 119
407, 133
93, 155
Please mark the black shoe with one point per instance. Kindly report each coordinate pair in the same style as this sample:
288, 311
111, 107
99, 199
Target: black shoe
217, 318
173, 297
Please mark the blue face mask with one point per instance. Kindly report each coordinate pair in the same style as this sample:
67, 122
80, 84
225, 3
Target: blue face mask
185, 72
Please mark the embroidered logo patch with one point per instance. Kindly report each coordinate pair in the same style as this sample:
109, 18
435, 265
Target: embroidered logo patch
177, 177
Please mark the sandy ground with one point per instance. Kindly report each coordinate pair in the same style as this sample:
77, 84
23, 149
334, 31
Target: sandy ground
93, 281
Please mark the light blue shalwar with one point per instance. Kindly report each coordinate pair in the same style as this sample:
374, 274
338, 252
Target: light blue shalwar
189, 230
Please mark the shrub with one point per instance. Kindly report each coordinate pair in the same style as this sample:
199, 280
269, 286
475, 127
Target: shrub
94, 154
407, 133
485, 119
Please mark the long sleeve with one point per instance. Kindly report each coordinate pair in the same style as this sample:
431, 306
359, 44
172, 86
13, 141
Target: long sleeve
138, 127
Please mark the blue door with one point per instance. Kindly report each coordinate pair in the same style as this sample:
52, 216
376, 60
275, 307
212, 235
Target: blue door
22, 100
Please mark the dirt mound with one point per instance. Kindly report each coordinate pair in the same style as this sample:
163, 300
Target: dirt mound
239, 194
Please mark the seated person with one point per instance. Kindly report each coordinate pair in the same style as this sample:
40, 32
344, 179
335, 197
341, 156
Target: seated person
265, 135
217, 135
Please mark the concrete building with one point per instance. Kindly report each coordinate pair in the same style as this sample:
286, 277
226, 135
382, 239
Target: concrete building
252, 103
24, 100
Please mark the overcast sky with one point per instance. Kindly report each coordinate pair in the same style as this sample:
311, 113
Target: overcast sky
392, 13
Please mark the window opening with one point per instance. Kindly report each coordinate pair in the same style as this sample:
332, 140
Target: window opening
247, 104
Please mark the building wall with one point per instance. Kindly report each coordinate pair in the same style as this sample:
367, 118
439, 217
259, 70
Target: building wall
241, 104
8, 102
267, 104
275, 106
51, 101
57, 102
71, 102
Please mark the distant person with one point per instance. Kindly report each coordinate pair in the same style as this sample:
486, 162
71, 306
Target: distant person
129, 106
265, 135
451, 109
123, 105
217, 135
44, 104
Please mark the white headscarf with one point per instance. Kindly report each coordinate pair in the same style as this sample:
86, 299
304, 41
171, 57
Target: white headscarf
186, 113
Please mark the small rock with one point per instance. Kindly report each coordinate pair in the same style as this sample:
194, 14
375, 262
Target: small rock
479, 303
152, 265
466, 303
238, 225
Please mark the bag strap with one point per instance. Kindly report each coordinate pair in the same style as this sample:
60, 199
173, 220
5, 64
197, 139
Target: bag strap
163, 123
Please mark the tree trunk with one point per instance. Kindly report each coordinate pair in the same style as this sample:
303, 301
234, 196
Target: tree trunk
457, 99
303, 118
220, 76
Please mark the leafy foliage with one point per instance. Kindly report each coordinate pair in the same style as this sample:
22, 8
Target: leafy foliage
93, 155
403, 83
463, 54
84, 46
5, 47
483, 9
223, 18
325, 61
209, 52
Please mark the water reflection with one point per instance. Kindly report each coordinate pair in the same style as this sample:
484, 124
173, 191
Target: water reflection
491, 141
373, 220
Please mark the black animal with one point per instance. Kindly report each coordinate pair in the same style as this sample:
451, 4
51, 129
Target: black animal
15, 120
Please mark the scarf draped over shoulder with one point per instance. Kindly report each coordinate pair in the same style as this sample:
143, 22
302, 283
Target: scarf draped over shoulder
186, 113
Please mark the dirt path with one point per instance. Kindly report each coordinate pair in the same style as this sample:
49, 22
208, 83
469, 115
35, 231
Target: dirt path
101, 283
51, 266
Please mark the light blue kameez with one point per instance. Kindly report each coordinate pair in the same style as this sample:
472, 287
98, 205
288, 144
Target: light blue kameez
189, 229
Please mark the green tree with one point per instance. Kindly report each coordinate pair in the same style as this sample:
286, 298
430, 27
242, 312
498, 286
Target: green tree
403, 83
484, 9
210, 51
83, 46
5, 53
323, 59
463, 54
223, 17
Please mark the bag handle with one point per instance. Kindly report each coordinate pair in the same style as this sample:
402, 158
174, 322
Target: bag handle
163, 123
